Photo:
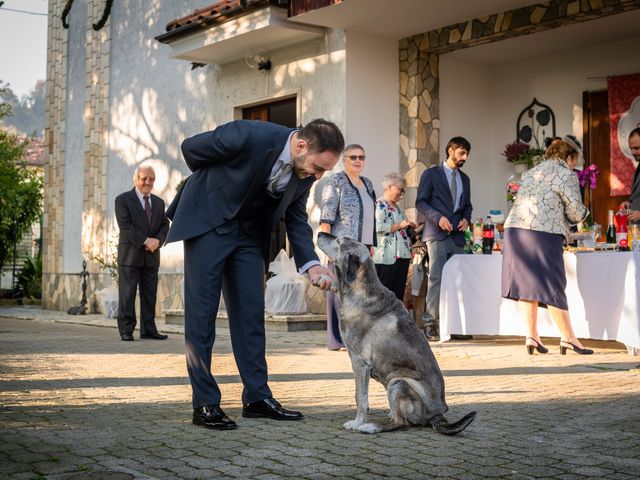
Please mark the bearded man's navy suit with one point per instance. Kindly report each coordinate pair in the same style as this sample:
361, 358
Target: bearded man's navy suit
225, 215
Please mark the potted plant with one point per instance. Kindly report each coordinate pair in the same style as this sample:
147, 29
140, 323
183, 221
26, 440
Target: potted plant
521, 155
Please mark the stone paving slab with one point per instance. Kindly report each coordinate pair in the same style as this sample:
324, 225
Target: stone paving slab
76, 402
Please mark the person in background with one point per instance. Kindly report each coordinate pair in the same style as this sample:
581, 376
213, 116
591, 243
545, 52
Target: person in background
347, 210
547, 203
444, 198
393, 252
633, 203
143, 229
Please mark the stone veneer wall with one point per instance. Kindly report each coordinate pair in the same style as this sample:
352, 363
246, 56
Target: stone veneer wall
63, 289
419, 100
53, 218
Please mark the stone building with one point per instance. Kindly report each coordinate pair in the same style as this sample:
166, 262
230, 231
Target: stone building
127, 81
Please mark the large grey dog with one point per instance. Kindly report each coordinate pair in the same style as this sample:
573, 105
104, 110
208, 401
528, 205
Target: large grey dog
384, 343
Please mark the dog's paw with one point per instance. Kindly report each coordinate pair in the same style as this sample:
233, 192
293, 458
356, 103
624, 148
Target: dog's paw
352, 425
370, 428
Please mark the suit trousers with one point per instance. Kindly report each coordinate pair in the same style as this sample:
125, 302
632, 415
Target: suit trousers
129, 279
230, 261
439, 252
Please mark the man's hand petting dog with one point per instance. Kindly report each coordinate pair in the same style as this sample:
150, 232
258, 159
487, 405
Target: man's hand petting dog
320, 277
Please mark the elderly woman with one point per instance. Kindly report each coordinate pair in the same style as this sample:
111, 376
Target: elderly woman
347, 210
547, 203
393, 253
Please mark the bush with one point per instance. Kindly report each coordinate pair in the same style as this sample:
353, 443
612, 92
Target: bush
29, 281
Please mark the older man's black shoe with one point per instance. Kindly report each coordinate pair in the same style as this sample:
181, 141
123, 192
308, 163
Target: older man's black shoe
269, 408
212, 416
126, 337
154, 336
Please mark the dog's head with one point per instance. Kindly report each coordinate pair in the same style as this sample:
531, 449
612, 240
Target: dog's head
347, 254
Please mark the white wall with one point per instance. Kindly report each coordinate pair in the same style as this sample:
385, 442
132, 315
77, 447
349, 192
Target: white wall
483, 103
372, 102
465, 110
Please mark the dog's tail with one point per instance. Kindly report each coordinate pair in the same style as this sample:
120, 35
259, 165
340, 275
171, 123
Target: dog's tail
441, 425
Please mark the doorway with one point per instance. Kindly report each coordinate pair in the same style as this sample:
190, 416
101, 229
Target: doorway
282, 112
597, 151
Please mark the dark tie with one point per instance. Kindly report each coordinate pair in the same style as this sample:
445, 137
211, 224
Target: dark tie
454, 188
283, 169
147, 208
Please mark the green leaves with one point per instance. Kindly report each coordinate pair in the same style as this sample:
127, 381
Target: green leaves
20, 193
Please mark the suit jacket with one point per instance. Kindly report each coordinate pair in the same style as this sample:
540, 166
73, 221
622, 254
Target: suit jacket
230, 164
634, 197
434, 200
135, 229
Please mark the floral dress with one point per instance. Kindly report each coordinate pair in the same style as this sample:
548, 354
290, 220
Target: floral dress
391, 246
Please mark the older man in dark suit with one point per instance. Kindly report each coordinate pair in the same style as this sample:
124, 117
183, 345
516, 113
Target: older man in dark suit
444, 198
143, 230
246, 176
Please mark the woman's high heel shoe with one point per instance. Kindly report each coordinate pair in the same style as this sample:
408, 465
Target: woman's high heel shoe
540, 348
564, 345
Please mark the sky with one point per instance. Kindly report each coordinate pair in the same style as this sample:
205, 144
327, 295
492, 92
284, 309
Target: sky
23, 44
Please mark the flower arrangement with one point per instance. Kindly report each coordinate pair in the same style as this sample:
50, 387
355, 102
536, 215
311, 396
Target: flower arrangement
513, 186
521, 152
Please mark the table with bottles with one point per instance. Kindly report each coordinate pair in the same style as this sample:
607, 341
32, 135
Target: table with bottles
603, 292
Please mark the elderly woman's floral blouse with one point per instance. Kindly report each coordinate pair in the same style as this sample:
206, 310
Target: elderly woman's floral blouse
549, 199
391, 246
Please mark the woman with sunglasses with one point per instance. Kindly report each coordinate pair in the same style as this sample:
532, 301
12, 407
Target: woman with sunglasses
393, 253
347, 210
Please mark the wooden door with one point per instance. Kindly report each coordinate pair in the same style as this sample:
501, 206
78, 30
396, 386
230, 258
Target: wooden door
256, 113
596, 150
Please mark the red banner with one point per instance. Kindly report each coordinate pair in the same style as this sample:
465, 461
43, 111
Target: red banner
624, 116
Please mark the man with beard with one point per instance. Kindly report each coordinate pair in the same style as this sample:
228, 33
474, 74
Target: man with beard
246, 176
444, 198
634, 199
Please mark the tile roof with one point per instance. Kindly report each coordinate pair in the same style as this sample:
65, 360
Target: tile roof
214, 14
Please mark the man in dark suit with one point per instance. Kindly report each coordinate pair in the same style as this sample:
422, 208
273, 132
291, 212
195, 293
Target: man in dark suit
634, 198
444, 198
143, 230
246, 176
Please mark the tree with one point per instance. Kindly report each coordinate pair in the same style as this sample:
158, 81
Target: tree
20, 189
28, 112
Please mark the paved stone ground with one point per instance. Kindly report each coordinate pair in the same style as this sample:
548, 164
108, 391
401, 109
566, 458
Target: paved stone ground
76, 402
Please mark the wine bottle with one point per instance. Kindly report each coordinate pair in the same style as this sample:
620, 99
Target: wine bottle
611, 230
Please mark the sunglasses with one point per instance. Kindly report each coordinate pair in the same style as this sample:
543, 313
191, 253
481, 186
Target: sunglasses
353, 158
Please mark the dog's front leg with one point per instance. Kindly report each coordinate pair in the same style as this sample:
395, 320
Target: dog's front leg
361, 370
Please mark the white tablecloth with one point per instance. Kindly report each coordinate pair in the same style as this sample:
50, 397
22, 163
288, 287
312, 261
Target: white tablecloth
603, 291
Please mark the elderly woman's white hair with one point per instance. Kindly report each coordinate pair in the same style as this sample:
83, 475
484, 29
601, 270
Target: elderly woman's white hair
136, 172
393, 178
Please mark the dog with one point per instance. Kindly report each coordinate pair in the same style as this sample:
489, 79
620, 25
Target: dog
385, 344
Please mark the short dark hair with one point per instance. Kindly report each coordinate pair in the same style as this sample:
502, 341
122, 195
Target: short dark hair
635, 131
458, 142
322, 135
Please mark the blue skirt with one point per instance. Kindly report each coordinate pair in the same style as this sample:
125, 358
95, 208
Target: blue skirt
533, 267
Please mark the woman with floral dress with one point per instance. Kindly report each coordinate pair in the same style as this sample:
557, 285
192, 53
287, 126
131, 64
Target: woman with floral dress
393, 253
547, 204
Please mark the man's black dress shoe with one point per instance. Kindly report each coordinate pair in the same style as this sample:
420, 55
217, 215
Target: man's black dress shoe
455, 336
212, 416
155, 336
269, 408
126, 337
